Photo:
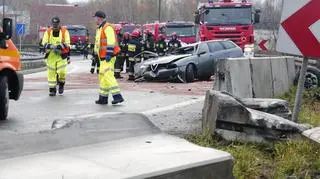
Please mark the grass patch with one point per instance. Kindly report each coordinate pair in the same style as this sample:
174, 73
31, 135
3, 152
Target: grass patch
310, 109
296, 158
290, 159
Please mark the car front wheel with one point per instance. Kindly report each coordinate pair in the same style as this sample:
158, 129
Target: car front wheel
190, 73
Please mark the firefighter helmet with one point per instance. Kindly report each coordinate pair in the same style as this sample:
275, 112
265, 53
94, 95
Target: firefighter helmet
135, 33
174, 35
161, 36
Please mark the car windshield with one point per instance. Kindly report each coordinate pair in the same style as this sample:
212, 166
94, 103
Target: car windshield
181, 30
228, 16
77, 32
184, 50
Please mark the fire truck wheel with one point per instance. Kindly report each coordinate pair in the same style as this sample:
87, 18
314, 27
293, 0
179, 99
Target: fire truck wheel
4, 98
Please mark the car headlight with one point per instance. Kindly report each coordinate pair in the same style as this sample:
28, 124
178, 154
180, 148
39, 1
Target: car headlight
170, 66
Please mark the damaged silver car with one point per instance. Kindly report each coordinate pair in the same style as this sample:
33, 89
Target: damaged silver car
194, 61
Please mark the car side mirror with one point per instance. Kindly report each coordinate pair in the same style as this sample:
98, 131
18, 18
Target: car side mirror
196, 17
7, 28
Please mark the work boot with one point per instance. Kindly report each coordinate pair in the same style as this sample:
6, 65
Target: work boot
61, 87
131, 77
97, 71
52, 91
117, 75
117, 99
102, 100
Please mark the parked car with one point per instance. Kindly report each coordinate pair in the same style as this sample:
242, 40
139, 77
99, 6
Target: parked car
193, 61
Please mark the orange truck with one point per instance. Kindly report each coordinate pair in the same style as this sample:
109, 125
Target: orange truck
11, 77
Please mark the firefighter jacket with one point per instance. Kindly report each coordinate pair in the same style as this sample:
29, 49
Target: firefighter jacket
149, 44
134, 47
174, 44
161, 47
124, 48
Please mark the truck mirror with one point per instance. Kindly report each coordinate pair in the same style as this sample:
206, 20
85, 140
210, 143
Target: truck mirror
7, 28
257, 18
197, 19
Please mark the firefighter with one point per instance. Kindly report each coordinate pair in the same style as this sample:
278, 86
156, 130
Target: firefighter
56, 42
161, 45
106, 47
123, 56
174, 43
85, 51
149, 44
134, 48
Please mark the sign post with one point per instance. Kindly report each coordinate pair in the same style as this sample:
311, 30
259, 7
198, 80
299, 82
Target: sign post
299, 34
20, 30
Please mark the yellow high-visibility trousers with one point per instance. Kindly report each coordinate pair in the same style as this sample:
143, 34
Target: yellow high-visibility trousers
108, 83
56, 66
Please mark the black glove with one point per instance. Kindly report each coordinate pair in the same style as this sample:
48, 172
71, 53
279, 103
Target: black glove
59, 47
47, 46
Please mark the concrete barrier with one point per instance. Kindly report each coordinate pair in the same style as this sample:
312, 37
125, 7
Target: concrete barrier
110, 146
257, 77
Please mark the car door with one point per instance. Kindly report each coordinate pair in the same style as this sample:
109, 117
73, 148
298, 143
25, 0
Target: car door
203, 56
217, 51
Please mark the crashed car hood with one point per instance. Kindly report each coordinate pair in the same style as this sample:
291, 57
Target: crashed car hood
165, 59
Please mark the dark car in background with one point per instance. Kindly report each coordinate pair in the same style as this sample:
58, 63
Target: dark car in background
194, 61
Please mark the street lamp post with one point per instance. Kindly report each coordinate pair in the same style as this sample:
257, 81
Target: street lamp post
159, 11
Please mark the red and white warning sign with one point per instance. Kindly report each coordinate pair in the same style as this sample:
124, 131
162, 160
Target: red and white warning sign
299, 32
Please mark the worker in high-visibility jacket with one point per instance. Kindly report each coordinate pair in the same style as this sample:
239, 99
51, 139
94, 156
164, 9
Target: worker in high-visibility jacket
106, 47
56, 42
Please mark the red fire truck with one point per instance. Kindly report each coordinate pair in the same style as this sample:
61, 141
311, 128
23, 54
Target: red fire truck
227, 19
186, 31
123, 27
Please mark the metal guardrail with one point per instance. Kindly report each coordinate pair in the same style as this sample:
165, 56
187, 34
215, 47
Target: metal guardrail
27, 56
29, 47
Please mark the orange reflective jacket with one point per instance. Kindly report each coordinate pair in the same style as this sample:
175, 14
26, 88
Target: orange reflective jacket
105, 48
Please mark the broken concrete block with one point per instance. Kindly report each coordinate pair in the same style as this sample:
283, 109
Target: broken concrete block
223, 111
313, 134
270, 121
277, 107
219, 106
